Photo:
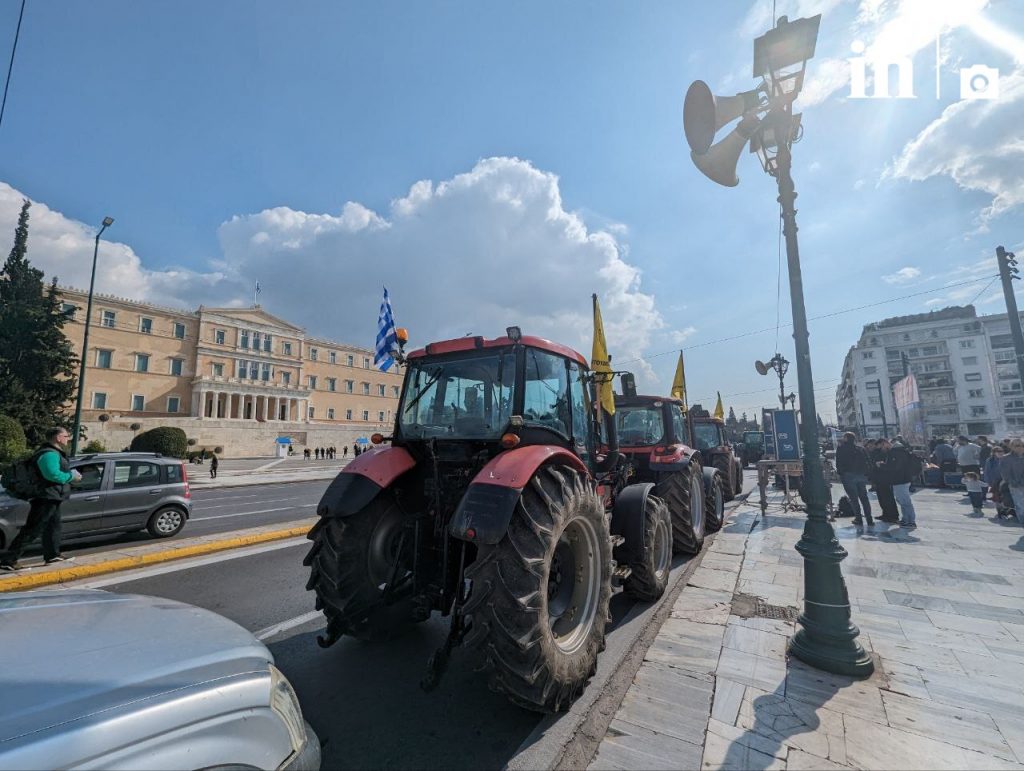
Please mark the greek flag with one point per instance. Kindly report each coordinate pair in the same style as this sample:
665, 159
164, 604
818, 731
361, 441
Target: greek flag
387, 339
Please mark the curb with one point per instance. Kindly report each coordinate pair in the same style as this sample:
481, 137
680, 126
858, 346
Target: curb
20, 583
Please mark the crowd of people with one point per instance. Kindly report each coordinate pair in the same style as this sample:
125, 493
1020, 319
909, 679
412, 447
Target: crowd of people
891, 468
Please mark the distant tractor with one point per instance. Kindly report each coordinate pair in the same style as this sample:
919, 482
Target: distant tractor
653, 434
493, 505
752, 448
709, 438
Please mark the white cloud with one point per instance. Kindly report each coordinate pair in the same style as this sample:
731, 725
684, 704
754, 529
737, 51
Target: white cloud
679, 336
975, 142
902, 276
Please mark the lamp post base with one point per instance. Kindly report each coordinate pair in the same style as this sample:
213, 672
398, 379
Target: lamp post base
835, 655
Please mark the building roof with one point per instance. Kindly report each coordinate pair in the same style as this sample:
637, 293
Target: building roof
945, 314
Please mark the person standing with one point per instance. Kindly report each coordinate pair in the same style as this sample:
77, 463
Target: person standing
993, 478
883, 485
853, 464
986, 449
902, 468
1011, 468
55, 478
214, 465
968, 455
944, 456
344, 451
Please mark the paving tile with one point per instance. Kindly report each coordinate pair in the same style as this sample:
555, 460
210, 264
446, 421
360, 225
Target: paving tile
927, 634
976, 626
798, 760
677, 686
750, 669
1012, 729
905, 679
751, 739
720, 580
721, 754
988, 611
982, 693
663, 716
963, 727
982, 598
773, 625
924, 602
627, 746
721, 561
810, 728
771, 593
767, 644
838, 693
687, 645
906, 652
708, 606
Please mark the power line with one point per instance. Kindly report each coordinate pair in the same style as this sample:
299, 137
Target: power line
985, 289
10, 66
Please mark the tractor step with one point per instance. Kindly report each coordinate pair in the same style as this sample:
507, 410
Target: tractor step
617, 540
622, 572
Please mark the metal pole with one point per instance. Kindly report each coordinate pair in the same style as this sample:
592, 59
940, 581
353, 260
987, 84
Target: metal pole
782, 386
828, 639
85, 349
863, 423
881, 405
1006, 273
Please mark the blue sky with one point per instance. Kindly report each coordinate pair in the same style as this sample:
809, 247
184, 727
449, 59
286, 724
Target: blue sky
244, 141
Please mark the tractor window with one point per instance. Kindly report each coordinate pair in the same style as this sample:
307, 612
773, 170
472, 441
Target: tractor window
580, 409
458, 398
682, 435
639, 426
706, 436
546, 393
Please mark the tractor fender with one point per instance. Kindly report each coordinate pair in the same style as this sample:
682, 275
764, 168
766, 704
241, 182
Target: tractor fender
628, 521
484, 513
363, 479
709, 478
676, 457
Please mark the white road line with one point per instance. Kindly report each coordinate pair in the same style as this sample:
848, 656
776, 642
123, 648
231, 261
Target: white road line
291, 623
272, 463
228, 505
185, 564
247, 513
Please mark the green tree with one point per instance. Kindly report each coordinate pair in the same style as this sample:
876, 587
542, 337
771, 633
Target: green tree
37, 364
12, 439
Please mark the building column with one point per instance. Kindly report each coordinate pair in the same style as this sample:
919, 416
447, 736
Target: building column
273, 407
264, 404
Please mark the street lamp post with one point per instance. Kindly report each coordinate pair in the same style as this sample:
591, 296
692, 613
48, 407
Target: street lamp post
107, 222
781, 366
828, 638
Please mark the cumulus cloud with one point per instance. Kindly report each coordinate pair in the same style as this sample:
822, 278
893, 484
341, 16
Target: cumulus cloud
902, 276
680, 336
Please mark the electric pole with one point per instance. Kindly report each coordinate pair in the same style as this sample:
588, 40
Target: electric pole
1008, 272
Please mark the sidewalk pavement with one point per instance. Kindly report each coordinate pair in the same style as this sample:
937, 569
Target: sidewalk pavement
940, 608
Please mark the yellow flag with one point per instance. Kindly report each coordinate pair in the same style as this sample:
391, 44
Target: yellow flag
601, 363
719, 410
679, 382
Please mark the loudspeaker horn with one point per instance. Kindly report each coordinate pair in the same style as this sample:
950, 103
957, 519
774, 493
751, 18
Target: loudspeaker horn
704, 113
761, 367
719, 163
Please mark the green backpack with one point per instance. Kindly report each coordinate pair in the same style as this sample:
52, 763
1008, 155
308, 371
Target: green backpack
21, 478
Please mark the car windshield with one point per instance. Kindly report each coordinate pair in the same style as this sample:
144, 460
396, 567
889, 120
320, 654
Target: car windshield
640, 425
706, 436
468, 398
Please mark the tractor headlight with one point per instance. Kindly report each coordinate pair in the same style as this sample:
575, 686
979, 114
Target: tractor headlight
285, 703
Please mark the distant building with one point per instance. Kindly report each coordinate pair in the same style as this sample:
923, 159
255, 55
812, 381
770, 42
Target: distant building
219, 371
965, 370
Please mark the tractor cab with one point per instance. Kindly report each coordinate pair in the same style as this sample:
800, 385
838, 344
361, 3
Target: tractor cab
708, 434
649, 427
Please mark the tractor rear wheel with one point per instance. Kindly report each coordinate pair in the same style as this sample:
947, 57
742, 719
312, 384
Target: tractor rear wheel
683, 493
739, 479
350, 560
721, 463
714, 505
649, 577
539, 598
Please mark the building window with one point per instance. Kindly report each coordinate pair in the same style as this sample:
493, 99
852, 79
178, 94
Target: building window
218, 370
265, 373
311, 380
68, 309
870, 370
312, 354
966, 343
179, 330
218, 336
381, 389
348, 414
875, 415
975, 393
930, 350
867, 355
109, 318
366, 362
243, 339
332, 357
366, 389
286, 348
970, 360
310, 412
349, 385
99, 401
977, 412
332, 384
366, 414
286, 378
104, 359
972, 377
145, 325
173, 404
330, 413
351, 360
255, 341
138, 403
267, 344
396, 391
254, 370
142, 362
176, 366
873, 400
380, 416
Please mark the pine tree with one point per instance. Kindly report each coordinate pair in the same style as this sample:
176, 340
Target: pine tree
37, 363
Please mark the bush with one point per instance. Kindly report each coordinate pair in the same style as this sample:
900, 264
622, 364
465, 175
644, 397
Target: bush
164, 440
95, 446
12, 439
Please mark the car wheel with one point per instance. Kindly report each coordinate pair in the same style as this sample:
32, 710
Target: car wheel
166, 522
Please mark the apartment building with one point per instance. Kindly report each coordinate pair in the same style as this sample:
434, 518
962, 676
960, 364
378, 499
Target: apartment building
235, 367
964, 366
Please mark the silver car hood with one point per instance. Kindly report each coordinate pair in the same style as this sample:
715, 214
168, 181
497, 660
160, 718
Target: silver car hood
69, 654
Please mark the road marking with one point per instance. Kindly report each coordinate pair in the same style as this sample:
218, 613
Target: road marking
229, 505
291, 623
247, 513
272, 463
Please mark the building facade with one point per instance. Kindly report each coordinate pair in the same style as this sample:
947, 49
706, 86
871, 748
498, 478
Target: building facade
964, 366
225, 368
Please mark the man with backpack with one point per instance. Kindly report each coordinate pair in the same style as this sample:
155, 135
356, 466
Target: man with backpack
853, 465
52, 487
902, 467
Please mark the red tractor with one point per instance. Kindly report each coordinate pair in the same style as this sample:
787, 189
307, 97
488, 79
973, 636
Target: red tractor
653, 433
492, 505
709, 437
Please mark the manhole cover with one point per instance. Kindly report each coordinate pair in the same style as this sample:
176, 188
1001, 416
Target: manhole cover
751, 606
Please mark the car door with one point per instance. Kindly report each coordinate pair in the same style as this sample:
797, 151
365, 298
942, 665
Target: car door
134, 490
83, 510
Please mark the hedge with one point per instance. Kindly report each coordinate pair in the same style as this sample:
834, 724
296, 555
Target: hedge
95, 446
12, 439
165, 440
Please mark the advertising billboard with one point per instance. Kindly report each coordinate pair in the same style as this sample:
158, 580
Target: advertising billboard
787, 437
909, 410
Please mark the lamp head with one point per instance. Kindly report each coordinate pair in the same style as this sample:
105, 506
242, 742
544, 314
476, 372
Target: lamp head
781, 54
108, 221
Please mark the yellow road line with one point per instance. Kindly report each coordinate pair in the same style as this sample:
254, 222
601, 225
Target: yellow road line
33, 580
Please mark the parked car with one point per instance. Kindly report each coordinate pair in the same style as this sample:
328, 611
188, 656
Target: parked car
93, 679
119, 492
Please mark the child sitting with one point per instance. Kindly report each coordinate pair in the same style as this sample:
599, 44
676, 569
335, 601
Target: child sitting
975, 490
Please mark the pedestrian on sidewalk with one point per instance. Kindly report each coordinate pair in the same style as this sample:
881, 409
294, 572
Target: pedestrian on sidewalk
344, 451
975, 491
944, 457
902, 468
883, 484
992, 476
968, 455
54, 487
853, 464
214, 465
986, 449
1011, 468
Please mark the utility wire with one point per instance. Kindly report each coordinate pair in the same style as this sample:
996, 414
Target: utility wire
990, 283
10, 66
